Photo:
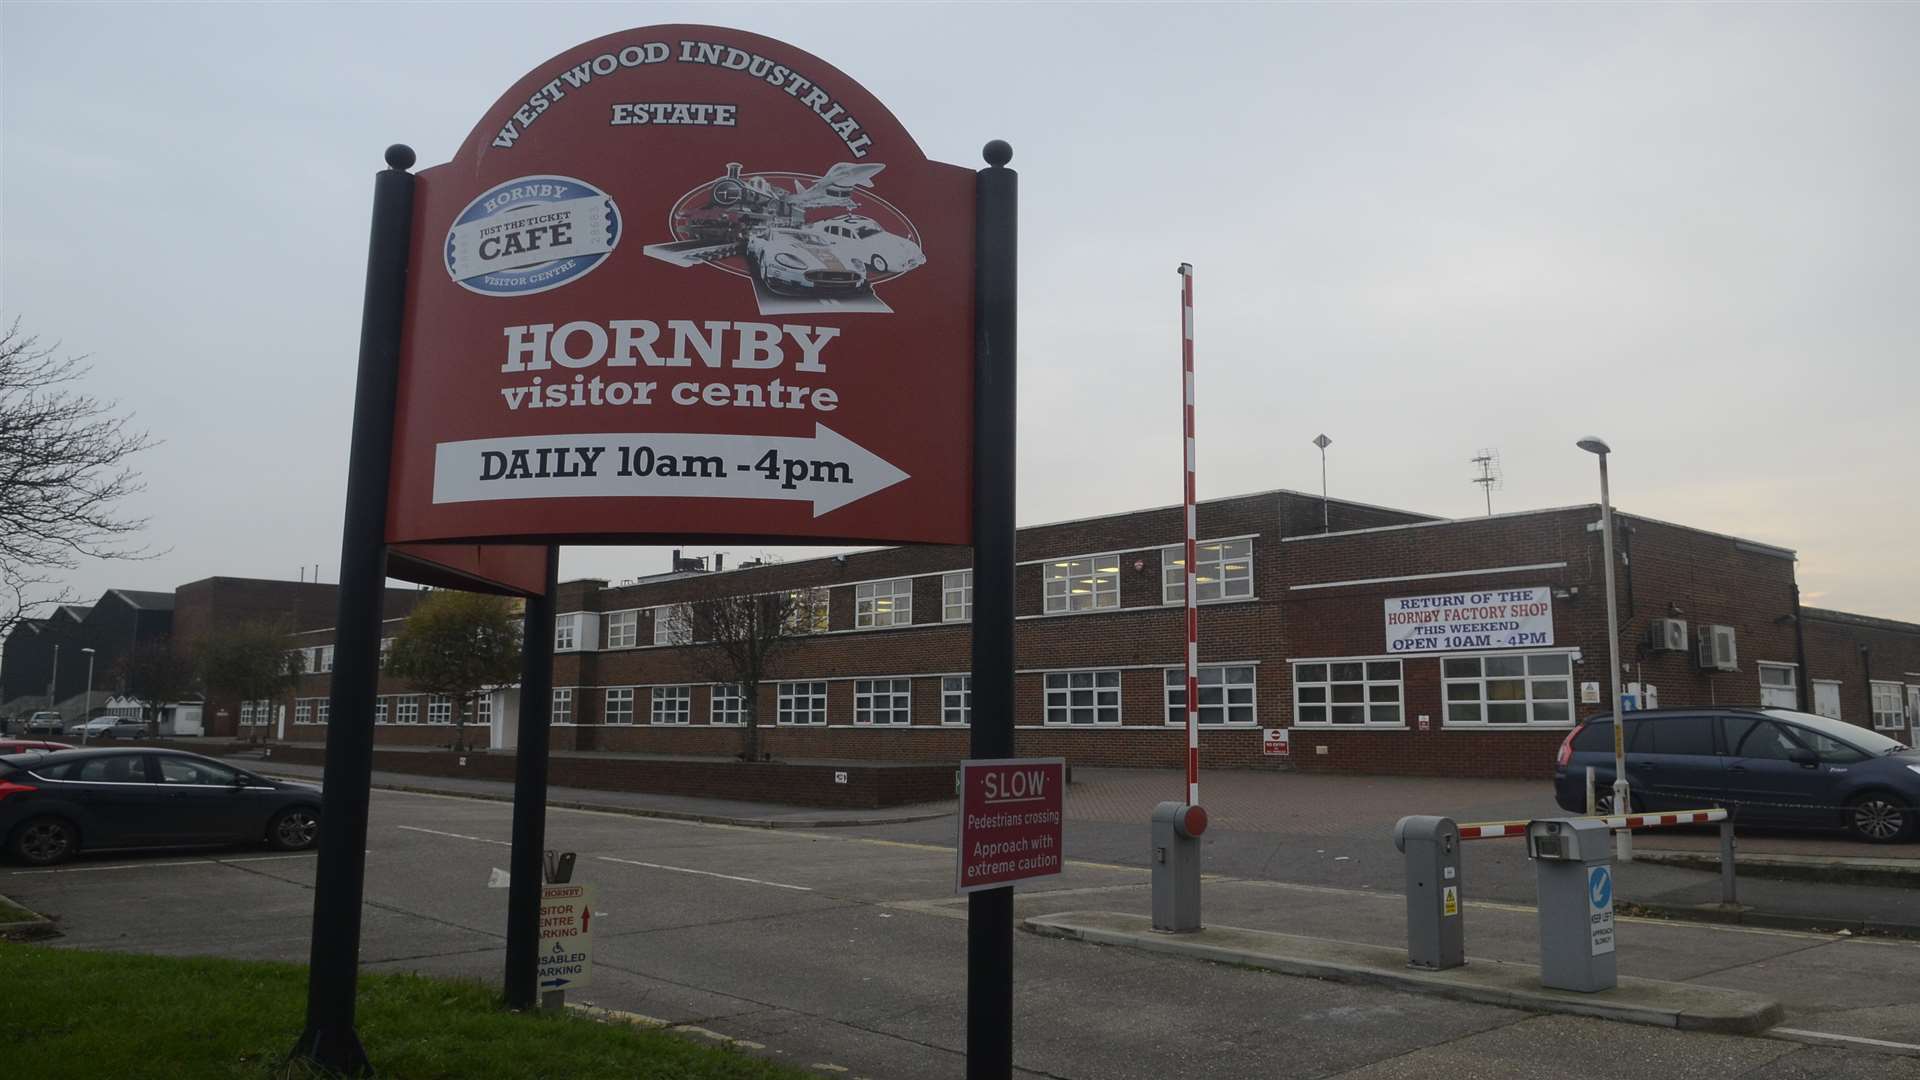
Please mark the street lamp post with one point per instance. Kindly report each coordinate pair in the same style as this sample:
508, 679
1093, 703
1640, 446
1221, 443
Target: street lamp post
86, 710
1326, 518
1622, 803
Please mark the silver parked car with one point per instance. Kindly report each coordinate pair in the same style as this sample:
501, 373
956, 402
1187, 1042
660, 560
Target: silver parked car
108, 727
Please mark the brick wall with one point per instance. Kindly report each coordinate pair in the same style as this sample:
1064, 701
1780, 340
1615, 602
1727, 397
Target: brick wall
1857, 650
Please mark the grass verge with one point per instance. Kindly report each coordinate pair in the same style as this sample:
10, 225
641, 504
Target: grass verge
80, 1014
13, 913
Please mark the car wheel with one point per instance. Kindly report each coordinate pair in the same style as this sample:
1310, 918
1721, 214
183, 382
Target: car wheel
44, 841
1603, 803
1879, 818
877, 264
294, 829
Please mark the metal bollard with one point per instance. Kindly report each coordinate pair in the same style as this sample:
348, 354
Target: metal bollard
1176, 866
1436, 925
1728, 894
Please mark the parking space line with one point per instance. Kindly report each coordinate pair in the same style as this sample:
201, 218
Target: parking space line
1861, 1039
455, 835
156, 865
704, 873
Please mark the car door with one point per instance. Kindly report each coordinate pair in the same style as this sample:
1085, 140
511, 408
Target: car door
1673, 762
205, 800
116, 798
1776, 777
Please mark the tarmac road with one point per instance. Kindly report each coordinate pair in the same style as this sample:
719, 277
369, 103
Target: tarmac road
845, 950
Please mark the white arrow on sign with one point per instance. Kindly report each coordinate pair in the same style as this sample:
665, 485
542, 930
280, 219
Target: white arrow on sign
828, 470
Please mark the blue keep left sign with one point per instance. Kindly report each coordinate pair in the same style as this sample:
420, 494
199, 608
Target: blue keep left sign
1600, 887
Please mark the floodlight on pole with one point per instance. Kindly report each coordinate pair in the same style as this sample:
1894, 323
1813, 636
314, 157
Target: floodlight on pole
86, 710
1622, 799
1326, 520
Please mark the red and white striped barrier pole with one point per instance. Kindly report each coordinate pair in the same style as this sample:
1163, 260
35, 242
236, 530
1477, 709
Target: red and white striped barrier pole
1187, 504
1493, 830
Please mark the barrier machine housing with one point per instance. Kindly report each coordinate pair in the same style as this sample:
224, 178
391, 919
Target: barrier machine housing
1436, 927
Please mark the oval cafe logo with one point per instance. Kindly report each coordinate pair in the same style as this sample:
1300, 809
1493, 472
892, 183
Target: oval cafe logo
530, 235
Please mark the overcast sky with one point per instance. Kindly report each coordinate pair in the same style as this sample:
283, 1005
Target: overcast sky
1421, 229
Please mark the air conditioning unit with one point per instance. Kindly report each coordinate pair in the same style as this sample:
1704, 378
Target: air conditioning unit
1716, 649
1668, 635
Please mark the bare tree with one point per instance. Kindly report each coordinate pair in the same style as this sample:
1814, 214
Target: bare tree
155, 674
454, 645
63, 474
744, 638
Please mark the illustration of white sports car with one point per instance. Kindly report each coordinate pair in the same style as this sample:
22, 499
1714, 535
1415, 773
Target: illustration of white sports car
859, 239
796, 260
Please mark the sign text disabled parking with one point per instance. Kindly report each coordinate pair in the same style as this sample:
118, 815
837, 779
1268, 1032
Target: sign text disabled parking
566, 941
1010, 811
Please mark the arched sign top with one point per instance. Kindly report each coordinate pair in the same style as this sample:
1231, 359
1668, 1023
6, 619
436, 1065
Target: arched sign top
610, 70
687, 281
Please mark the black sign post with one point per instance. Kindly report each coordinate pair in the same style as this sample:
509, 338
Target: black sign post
530, 793
990, 911
340, 875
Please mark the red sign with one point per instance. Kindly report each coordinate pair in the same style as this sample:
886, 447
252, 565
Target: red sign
1010, 810
687, 280
1274, 742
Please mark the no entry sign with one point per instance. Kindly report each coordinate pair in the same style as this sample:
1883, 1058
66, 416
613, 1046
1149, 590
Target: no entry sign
1010, 812
685, 280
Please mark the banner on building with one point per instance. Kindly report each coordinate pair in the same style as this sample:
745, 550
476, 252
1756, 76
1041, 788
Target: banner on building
1469, 621
686, 280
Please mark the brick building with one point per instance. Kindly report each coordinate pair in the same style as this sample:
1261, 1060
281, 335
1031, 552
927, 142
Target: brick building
1347, 633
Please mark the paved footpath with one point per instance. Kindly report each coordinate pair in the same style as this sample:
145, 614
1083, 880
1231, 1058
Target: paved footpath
843, 950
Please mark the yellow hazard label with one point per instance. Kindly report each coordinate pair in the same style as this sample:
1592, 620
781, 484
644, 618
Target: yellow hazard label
1450, 899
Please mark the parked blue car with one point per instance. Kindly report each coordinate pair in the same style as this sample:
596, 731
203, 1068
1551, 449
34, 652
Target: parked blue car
1773, 767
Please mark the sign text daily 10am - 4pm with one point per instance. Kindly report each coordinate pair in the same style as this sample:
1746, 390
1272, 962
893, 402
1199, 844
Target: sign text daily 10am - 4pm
687, 281
1464, 621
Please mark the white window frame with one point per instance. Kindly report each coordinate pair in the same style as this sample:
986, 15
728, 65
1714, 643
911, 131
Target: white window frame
1839, 699
302, 711
386, 651
382, 711
621, 696
727, 705
1089, 576
1216, 578
673, 624
671, 706
1527, 681
878, 604
407, 709
326, 658
562, 707
439, 709
956, 700
1791, 687
483, 709
1229, 695
882, 702
322, 711
1314, 700
802, 703
566, 633
622, 629
1062, 689
956, 596
1889, 704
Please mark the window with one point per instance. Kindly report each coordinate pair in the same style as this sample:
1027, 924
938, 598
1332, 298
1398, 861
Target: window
407, 711
563, 706
803, 703
1779, 686
1222, 570
566, 633
883, 603
116, 769
1509, 689
483, 709
729, 705
882, 701
620, 705
386, 650
326, 658
1347, 692
302, 712
956, 596
673, 624
622, 629
1887, 710
1082, 584
1083, 697
672, 704
246, 714
321, 708
1690, 736
181, 770
380, 711
1226, 694
439, 709
1826, 698
808, 611
956, 699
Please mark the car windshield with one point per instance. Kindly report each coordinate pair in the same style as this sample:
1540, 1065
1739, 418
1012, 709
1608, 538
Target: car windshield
1871, 742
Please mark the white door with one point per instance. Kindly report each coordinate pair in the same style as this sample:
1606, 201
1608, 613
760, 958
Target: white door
1913, 708
1826, 698
280, 724
504, 722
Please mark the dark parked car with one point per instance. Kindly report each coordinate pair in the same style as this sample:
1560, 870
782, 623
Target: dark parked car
53, 805
1770, 766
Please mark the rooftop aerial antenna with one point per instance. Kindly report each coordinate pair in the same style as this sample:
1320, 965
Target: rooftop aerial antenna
1489, 476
